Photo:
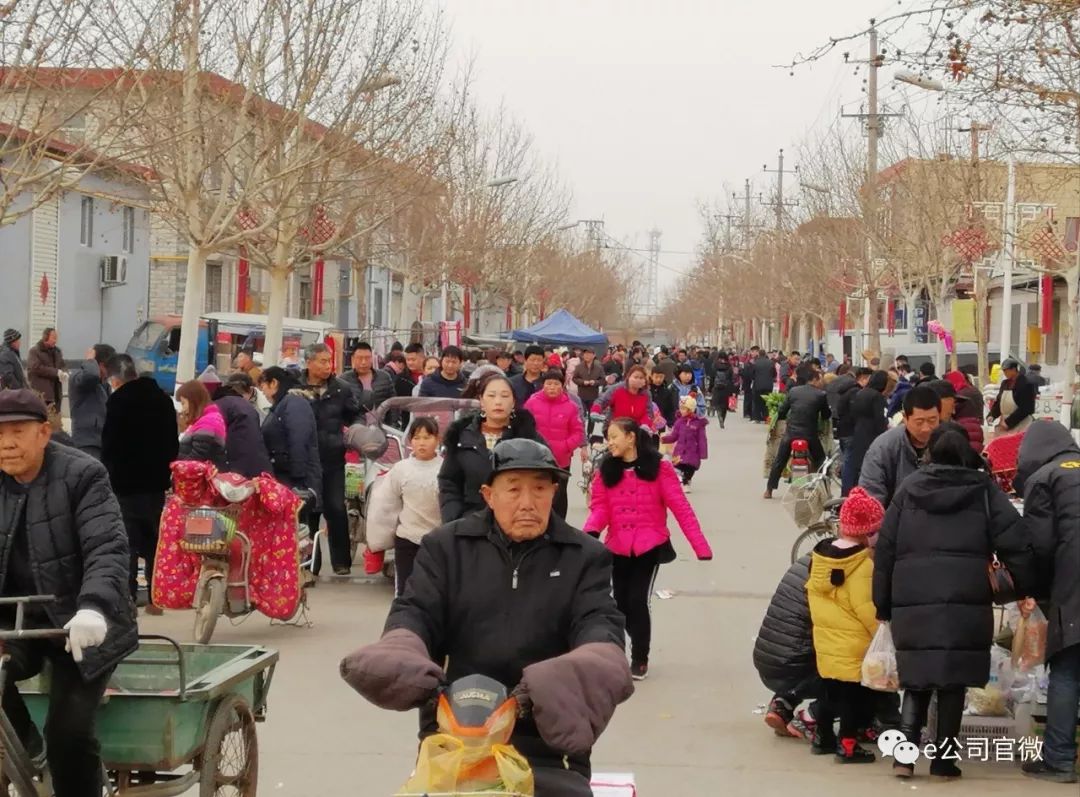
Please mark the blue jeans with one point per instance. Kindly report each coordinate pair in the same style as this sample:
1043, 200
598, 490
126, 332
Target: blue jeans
1062, 703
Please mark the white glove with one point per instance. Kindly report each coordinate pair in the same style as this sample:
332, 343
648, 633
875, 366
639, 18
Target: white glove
86, 629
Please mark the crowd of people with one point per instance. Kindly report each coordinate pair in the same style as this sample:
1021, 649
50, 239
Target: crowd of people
476, 517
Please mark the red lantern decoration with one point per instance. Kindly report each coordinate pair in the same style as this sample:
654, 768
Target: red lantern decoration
1046, 297
509, 318
243, 272
466, 306
785, 328
843, 317
318, 279
890, 316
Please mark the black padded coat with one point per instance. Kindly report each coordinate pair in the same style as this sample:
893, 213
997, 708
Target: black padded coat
784, 650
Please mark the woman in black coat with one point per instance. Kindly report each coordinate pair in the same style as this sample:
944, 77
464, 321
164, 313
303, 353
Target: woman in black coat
244, 446
723, 386
469, 441
867, 412
943, 526
289, 433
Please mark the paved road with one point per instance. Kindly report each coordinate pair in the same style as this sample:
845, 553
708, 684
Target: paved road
689, 730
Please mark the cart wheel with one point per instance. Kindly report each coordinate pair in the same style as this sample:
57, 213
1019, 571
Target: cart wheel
357, 527
806, 541
211, 605
229, 765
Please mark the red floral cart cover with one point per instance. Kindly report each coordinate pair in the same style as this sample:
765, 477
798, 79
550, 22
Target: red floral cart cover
1002, 453
268, 517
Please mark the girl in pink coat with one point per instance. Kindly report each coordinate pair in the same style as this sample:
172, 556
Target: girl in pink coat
632, 491
558, 420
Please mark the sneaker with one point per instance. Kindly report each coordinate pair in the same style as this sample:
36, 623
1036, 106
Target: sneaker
903, 770
1039, 769
686, 489
639, 670
778, 715
802, 726
342, 571
768, 495
849, 752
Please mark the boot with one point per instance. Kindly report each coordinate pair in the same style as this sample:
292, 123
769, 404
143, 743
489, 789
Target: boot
913, 715
824, 740
949, 716
849, 752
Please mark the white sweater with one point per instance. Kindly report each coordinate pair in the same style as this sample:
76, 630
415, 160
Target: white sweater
404, 503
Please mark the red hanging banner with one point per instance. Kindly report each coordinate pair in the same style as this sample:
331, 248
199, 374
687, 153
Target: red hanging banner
785, 328
318, 275
243, 272
843, 317
890, 316
821, 330
466, 307
1046, 296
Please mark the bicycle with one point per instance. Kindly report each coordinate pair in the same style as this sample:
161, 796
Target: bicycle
814, 504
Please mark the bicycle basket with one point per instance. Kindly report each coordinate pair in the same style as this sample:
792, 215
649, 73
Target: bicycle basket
209, 529
805, 500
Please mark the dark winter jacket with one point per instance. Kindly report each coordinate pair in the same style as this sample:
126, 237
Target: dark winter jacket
438, 386
839, 394
890, 459
666, 399
746, 377
763, 374
866, 411
896, 400
803, 407
723, 382
1048, 474
784, 649
586, 373
467, 461
78, 548
88, 397
930, 575
492, 607
335, 407
204, 440
139, 439
12, 376
244, 446
523, 388
382, 388
1024, 394
290, 437
43, 366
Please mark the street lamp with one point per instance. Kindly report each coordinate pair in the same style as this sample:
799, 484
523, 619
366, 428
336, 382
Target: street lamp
919, 81
498, 182
380, 82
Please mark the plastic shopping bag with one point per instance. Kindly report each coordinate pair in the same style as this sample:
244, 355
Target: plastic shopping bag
449, 765
1029, 641
879, 665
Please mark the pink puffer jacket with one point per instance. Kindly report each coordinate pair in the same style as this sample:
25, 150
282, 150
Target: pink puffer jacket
559, 423
634, 511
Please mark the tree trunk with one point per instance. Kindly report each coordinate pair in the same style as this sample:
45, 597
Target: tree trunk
275, 315
804, 334
1072, 342
194, 299
360, 271
872, 324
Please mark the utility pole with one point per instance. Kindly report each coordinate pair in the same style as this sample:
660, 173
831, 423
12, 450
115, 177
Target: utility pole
746, 219
779, 204
978, 279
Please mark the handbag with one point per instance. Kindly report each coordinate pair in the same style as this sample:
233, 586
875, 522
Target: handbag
1002, 585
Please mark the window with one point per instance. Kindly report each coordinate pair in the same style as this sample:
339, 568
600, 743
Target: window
127, 223
376, 307
212, 300
86, 221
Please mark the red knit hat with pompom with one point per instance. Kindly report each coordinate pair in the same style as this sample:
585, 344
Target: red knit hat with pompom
861, 515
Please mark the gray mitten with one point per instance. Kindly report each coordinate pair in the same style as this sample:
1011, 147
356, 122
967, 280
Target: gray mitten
395, 673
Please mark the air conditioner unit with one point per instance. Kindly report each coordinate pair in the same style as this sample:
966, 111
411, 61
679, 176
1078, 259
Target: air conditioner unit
113, 269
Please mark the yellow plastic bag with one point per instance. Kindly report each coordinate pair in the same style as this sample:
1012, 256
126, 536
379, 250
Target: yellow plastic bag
447, 764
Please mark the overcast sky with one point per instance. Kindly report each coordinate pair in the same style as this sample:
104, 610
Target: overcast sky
648, 106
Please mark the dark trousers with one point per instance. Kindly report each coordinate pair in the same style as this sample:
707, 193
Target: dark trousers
74, 754
817, 456
760, 410
686, 472
1062, 701
562, 499
141, 513
851, 702
632, 579
950, 714
337, 520
404, 556
748, 403
551, 782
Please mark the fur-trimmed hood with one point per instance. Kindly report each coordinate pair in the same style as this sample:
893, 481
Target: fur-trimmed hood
646, 467
522, 424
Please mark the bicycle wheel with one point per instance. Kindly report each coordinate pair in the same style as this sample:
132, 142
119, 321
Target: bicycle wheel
211, 605
17, 776
806, 541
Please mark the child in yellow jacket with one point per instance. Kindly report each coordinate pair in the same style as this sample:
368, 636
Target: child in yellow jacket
840, 593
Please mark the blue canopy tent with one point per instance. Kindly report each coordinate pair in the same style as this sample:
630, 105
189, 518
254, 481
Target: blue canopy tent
560, 329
